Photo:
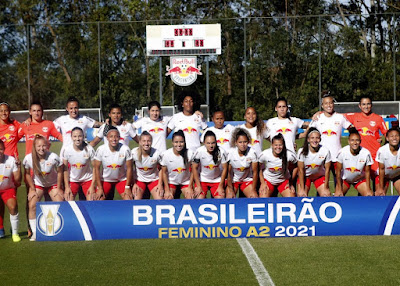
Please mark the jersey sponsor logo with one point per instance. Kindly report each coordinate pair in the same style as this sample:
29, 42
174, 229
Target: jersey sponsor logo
394, 167
329, 132
156, 130
78, 165
7, 137
352, 170
179, 170
11, 128
284, 130
222, 141
211, 166
50, 222
145, 168
364, 131
254, 142
190, 130
114, 166
45, 129
3, 178
241, 169
313, 166
275, 169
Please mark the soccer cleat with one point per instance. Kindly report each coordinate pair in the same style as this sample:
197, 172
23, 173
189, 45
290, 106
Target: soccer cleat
2, 233
33, 237
16, 238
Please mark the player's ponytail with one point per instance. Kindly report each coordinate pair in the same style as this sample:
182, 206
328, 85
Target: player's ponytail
306, 146
283, 154
35, 157
184, 151
216, 152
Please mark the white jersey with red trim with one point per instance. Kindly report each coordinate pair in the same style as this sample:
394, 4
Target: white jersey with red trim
256, 140
273, 171
6, 173
353, 169
157, 130
48, 167
147, 168
66, 123
223, 136
178, 171
242, 165
79, 163
114, 163
210, 172
391, 162
314, 163
331, 131
287, 127
125, 131
191, 125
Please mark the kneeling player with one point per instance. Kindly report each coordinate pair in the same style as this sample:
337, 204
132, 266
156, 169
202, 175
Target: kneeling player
389, 162
278, 167
213, 163
314, 162
149, 175
353, 167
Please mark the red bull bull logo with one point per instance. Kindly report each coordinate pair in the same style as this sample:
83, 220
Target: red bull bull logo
222, 141
7, 137
254, 142
189, 130
329, 133
78, 165
284, 130
313, 166
241, 169
114, 166
183, 70
353, 170
145, 168
44, 174
275, 169
3, 178
156, 130
179, 170
211, 167
394, 167
365, 131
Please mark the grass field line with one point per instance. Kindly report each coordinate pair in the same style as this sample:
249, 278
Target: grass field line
257, 266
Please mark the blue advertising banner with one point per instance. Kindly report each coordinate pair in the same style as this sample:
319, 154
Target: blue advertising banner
212, 218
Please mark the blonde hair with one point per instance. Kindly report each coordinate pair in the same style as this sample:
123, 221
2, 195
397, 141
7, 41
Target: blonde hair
35, 157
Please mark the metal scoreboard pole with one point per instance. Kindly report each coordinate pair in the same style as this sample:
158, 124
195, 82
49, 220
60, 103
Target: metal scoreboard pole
160, 79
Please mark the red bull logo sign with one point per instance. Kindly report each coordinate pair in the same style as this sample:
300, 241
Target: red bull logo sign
183, 70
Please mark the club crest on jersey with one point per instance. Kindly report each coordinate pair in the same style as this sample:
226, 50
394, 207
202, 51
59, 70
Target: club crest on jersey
11, 128
122, 155
45, 129
50, 222
372, 123
337, 123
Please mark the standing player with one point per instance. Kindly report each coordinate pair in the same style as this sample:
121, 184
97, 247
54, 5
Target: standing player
9, 136
221, 131
175, 164
368, 124
156, 124
285, 124
149, 175
188, 121
116, 120
243, 166
78, 171
278, 168
314, 163
353, 167
66, 123
257, 129
10, 180
213, 163
388, 157
47, 177
330, 125
116, 163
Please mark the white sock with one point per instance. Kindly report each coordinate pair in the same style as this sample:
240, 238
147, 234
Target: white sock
14, 219
32, 223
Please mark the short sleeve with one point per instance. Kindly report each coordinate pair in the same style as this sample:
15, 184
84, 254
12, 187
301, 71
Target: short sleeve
15, 167
99, 154
369, 160
100, 133
292, 157
196, 156
132, 132
379, 154
328, 157
138, 123
224, 156
90, 122
300, 156
171, 123
340, 156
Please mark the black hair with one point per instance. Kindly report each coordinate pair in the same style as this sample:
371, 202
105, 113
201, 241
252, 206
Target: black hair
110, 128
115, 106
154, 103
216, 153
184, 150
283, 154
237, 132
72, 99
195, 97
364, 97
287, 105
36, 103
84, 144
306, 147
260, 124
353, 130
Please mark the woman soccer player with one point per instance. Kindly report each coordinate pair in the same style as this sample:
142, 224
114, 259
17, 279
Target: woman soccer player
257, 129
78, 171
314, 163
175, 164
285, 124
10, 180
213, 163
222, 132
149, 175
388, 157
156, 124
243, 166
115, 159
190, 122
278, 167
47, 170
116, 120
353, 167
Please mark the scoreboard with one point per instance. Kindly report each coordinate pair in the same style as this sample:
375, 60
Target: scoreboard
181, 40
